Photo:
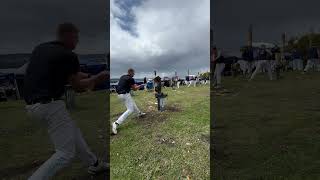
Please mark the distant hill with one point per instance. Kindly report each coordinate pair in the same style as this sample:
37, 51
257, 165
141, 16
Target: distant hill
17, 60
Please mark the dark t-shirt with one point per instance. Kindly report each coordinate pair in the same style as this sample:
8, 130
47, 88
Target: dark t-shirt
125, 83
50, 66
158, 87
221, 59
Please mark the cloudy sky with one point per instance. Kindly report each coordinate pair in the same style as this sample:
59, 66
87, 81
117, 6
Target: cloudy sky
231, 19
25, 24
165, 35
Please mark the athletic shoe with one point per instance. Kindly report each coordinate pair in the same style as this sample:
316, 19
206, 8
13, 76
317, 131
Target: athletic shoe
114, 128
99, 168
141, 114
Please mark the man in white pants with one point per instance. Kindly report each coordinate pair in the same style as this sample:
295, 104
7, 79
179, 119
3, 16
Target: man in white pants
297, 60
313, 57
126, 83
262, 64
52, 66
192, 81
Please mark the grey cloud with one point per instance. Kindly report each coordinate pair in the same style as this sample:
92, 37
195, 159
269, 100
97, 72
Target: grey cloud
230, 20
27, 23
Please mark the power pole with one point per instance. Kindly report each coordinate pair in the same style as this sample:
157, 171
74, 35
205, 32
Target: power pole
250, 32
283, 44
310, 37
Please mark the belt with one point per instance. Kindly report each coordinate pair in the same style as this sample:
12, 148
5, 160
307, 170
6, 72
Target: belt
42, 101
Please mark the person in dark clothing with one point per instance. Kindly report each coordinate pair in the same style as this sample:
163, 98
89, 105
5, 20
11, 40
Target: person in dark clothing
52, 66
126, 83
145, 80
297, 59
158, 93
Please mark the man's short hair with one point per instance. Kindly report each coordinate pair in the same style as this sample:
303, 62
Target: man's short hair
130, 70
157, 79
66, 28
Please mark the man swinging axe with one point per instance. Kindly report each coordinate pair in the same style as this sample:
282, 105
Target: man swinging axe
52, 66
126, 83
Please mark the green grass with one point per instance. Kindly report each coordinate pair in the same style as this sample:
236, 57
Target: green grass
25, 145
268, 129
173, 144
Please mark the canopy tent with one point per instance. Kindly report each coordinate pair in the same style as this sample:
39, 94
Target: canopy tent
15, 68
17, 77
9, 85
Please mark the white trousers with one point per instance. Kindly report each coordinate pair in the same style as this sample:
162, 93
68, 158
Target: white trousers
64, 134
218, 73
260, 66
298, 64
130, 105
192, 82
244, 66
311, 64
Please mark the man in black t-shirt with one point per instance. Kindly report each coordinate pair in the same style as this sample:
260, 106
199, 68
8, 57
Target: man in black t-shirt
52, 66
126, 83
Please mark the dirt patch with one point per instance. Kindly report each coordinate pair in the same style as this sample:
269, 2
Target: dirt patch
168, 141
151, 118
154, 116
173, 108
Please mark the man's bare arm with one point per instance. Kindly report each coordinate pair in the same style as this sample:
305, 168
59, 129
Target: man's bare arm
135, 87
79, 83
83, 75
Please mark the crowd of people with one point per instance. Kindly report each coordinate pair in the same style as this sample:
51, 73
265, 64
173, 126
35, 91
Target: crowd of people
262, 59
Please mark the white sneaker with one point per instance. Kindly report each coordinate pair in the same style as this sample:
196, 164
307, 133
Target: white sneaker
114, 128
101, 167
141, 114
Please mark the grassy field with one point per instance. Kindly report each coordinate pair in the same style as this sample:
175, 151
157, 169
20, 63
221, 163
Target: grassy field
173, 144
268, 129
25, 145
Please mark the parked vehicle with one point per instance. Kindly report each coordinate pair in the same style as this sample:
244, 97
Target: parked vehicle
113, 85
166, 82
